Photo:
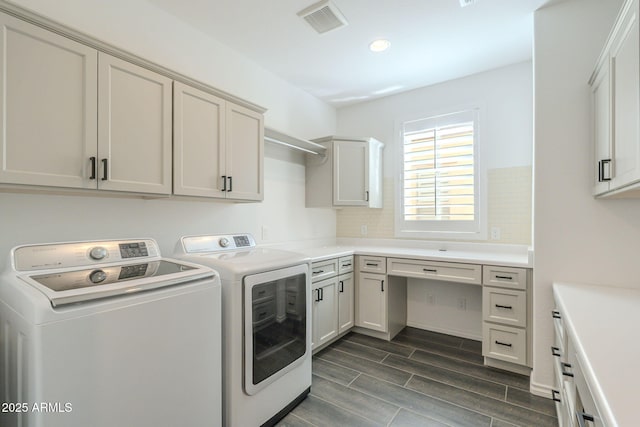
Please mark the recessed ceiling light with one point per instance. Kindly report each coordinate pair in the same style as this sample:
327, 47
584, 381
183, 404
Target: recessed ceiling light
379, 45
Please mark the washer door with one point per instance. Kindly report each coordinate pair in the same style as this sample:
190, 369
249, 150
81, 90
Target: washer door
276, 328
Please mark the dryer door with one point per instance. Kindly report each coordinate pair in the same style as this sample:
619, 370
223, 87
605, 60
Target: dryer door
276, 328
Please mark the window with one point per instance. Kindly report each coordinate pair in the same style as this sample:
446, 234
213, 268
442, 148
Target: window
439, 185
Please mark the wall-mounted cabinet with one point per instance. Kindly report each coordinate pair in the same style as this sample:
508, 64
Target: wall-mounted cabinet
218, 147
75, 117
615, 86
350, 173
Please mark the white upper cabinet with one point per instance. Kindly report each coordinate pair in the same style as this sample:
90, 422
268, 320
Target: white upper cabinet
349, 174
218, 147
616, 107
134, 124
48, 107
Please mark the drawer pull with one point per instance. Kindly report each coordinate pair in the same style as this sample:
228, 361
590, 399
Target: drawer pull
555, 395
582, 417
555, 351
564, 372
318, 272
504, 277
346, 265
506, 307
503, 344
429, 270
371, 264
555, 314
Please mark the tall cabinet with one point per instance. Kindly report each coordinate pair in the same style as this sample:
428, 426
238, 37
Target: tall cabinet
615, 86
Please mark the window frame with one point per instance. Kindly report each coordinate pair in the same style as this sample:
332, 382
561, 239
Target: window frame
439, 229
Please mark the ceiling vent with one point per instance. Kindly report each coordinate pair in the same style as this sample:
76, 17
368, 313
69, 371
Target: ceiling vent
464, 3
323, 16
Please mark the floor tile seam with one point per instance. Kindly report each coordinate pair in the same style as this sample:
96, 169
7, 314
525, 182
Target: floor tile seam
303, 419
394, 416
334, 363
352, 381
467, 374
421, 415
478, 410
368, 360
422, 394
448, 356
349, 410
378, 349
436, 341
353, 354
332, 380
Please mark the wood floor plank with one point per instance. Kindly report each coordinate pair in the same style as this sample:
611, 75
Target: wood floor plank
486, 405
484, 372
390, 347
360, 350
321, 413
442, 349
417, 402
409, 419
333, 372
457, 379
376, 369
435, 337
357, 402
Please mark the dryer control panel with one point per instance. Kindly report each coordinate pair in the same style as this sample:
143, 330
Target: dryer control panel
224, 242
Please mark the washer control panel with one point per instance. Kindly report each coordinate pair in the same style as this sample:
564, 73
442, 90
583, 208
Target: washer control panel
78, 254
226, 242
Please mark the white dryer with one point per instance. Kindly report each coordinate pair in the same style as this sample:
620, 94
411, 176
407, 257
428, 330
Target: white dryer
266, 307
107, 334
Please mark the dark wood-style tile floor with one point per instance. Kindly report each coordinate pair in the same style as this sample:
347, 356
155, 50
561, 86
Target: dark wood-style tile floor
420, 378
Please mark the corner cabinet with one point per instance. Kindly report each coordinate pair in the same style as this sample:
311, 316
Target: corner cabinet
218, 147
615, 86
349, 174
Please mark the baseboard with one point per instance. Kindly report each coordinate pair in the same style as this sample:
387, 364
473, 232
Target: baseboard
542, 390
455, 333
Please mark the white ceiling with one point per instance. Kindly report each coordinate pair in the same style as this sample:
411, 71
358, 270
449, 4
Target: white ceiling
431, 41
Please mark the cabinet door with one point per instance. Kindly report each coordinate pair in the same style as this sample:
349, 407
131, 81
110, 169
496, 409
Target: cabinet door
134, 121
601, 98
198, 142
625, 69
350, 173
345, 302
325, 311
244, 153
372, 302
48, 101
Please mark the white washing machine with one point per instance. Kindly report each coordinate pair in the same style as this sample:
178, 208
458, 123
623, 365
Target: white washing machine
107, 334
266, 308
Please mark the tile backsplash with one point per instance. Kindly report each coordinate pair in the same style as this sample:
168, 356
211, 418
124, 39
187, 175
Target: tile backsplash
509, 209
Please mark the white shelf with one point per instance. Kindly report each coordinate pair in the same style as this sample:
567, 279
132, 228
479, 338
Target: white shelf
277, 137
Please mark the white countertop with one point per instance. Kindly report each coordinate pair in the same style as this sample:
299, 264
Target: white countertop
470, 254
601, 322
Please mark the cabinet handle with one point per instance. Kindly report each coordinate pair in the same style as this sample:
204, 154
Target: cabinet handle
318, 272
105, 169
318, 295
230, 184
321, 294
601, 164
504, 277
503, 344
371, 264
341, 286
555, 314
224, 183
506, 307
565, 372
346, 265
366, 196
555, 393
93, 167
582, 417
382, 285
555, 351
430, 270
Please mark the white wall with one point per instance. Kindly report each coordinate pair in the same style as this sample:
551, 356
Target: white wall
148, 32
577, 238
507, 127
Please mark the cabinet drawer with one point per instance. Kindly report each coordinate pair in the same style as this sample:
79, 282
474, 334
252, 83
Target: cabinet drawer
345, 264
506, 277
504, 343
324, 269
448, 271
372, 264
263, 292
264, 313
504, 306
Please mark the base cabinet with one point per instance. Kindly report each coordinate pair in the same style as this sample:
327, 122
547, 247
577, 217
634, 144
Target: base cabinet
372, 302
333, 299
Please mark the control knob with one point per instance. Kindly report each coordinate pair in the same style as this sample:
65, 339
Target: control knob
97, 276
224, 242
98, 253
